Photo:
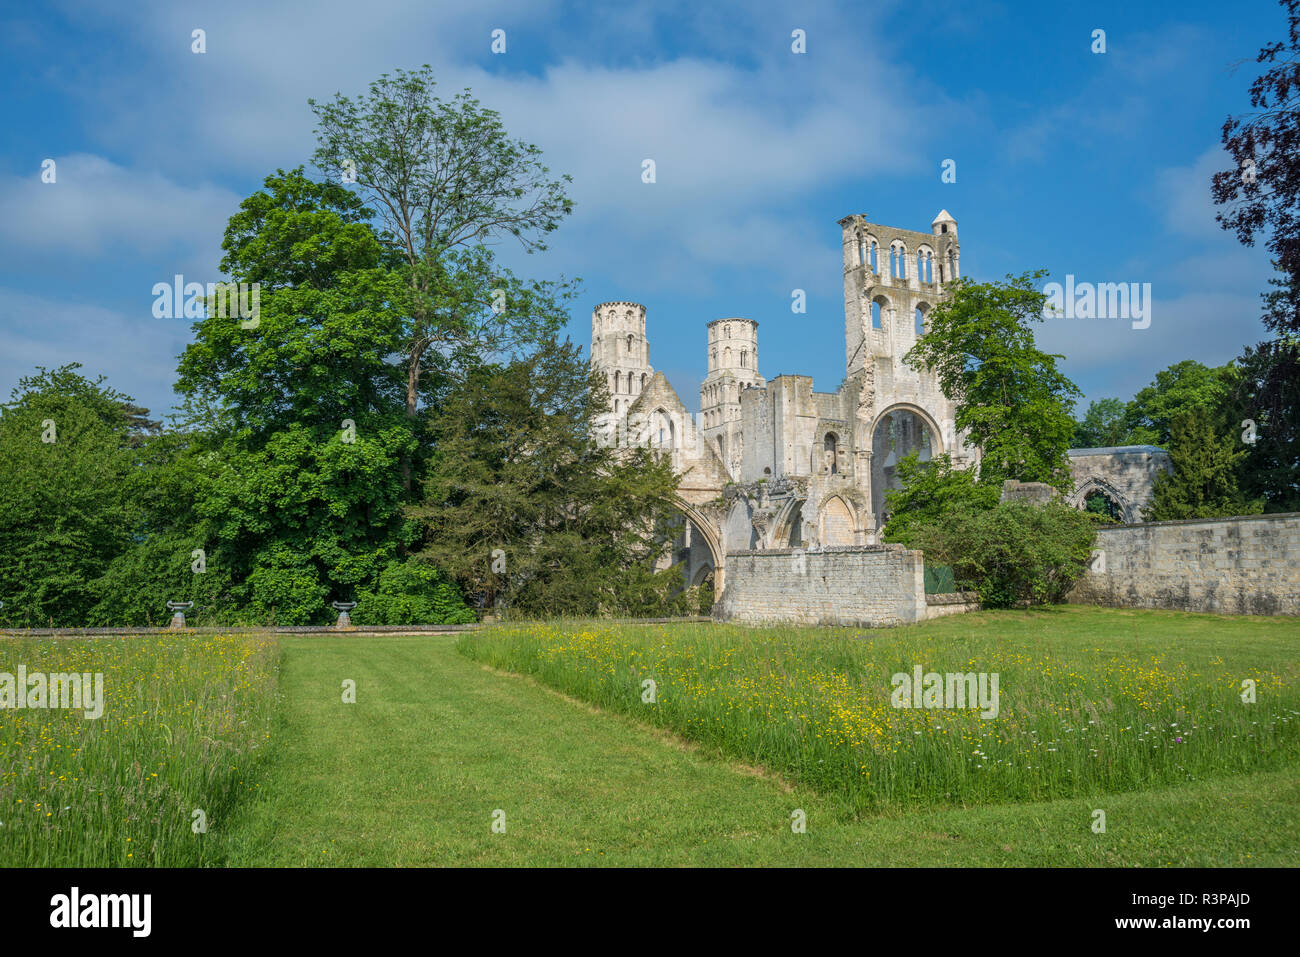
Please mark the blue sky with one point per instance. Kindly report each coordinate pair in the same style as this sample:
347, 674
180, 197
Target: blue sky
1095, 165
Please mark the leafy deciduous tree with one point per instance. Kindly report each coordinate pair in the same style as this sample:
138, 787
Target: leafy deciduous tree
1009, 394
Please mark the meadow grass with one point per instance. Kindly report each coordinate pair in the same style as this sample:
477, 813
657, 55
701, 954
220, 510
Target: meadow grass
1092, 700
185, 719
412, 773
257, 734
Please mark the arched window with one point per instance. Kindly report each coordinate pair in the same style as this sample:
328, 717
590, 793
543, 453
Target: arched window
920, 321
877, 319
1099, 503
665, 430
898, 259
629, 345
642, 389
618, 380
744, 358
925, 265
873, 255
830, 452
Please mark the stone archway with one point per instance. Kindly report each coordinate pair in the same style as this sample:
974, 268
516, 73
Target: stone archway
838, 523
788, 526
897, 431
1096, 485
710, 535
738, 532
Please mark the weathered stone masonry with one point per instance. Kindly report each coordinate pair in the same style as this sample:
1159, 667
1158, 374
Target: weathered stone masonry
866, 585
1249, 565
768, 465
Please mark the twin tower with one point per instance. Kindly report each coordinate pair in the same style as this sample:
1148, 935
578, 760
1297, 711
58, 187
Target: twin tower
620, 350
892, 277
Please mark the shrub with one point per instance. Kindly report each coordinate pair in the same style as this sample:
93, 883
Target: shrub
1014, 553
931, 490
412, 593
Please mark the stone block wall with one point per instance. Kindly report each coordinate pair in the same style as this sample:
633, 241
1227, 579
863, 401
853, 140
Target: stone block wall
1124, 474
1249, 565
864, 585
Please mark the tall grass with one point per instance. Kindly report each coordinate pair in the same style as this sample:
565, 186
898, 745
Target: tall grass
1081, 712
185, 719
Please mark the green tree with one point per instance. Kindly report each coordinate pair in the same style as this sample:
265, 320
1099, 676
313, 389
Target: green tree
1015, 553
930, 491
445, 178
67, 452
527, 510
1206, 455
1010, 396
1186, 387
304, 409
1269, 397
171, 556
1103, 425
1260, 195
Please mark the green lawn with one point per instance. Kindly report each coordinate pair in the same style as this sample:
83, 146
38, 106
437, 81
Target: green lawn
411, 774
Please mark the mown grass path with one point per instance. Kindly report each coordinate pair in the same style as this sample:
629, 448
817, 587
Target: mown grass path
411, 774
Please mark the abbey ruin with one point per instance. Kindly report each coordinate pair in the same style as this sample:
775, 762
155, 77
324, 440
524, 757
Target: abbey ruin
777, 465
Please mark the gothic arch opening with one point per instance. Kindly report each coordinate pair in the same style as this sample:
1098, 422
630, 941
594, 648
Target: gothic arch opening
1099, 496
1099, 503
837, 522
830, 453
788, 530
663, 431
699, 548
739, 533
899, 431
879, 309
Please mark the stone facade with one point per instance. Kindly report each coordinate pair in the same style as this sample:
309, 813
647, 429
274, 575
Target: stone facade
620, 348
776, 464
1244, 565
1125, 475
1035, 493
866, 585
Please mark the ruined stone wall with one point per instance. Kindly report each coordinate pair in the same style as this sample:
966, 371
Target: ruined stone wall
1249, 565
865, 585
1126, 474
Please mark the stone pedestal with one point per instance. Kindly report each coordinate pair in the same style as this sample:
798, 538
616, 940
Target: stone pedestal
178, 609
343, 607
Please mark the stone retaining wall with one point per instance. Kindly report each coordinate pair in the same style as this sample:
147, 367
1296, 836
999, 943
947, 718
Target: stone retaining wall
1249, 565
867, 585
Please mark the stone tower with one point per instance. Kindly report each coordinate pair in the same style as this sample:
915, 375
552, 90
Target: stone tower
620, 350
892, 279
733, 368
889, 275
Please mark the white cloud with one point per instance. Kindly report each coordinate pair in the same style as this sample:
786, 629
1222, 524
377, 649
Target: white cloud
97, 208
136, 352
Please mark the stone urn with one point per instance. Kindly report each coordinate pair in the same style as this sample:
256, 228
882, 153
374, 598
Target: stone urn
178, 610
343, 607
